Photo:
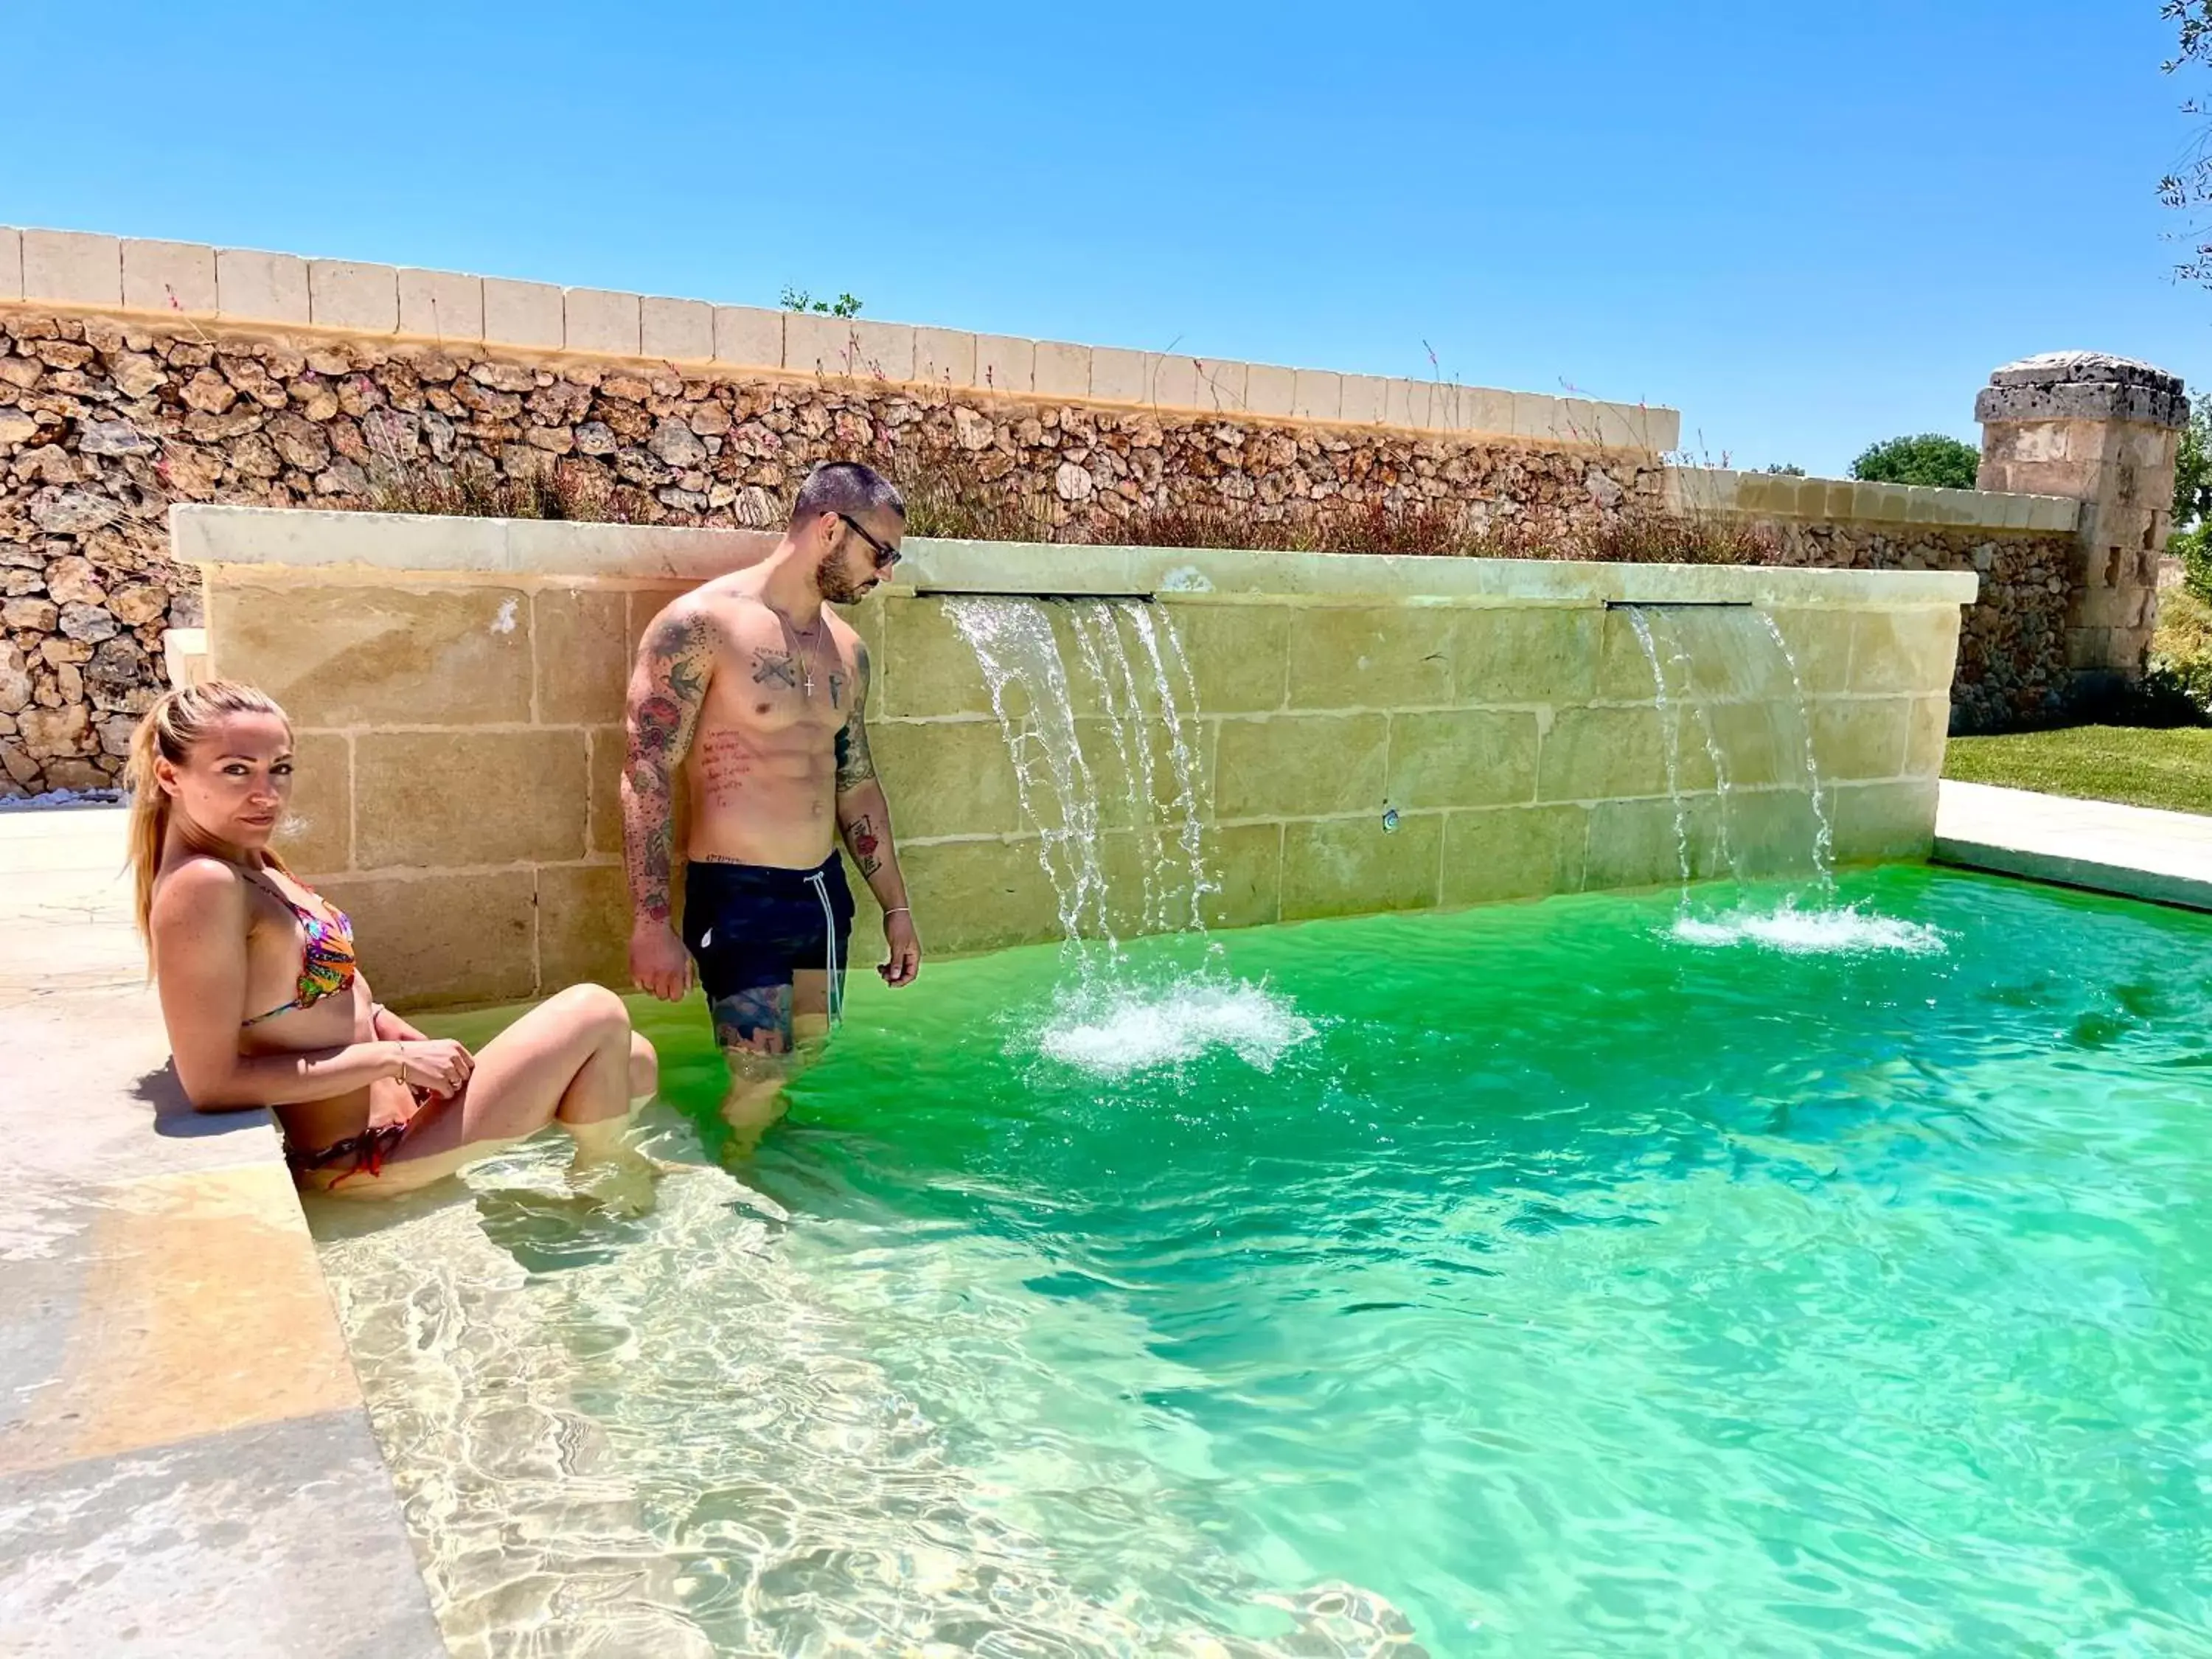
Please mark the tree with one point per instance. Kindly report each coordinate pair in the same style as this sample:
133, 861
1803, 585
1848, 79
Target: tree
798, 299
2189, 189
1932, 458
1783, 469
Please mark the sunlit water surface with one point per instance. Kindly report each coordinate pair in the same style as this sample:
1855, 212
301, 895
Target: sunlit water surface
1567, 1278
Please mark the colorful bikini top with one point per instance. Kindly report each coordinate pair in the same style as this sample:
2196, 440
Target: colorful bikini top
326, 958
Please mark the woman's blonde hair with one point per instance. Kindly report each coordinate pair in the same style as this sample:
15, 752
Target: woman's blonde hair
178, 720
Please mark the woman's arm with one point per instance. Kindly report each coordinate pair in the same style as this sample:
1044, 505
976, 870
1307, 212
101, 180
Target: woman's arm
199, 927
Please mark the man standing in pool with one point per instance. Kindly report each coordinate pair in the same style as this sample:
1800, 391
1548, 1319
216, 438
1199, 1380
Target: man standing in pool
754, 691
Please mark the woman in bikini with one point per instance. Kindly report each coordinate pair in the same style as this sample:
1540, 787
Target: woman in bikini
265, 1006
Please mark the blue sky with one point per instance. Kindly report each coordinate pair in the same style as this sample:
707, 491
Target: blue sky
1806, 227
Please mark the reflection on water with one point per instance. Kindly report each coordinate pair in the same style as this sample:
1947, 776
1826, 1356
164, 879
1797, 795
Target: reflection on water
1515, 1282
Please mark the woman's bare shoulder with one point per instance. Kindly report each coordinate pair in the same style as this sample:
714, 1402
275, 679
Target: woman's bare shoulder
197, 889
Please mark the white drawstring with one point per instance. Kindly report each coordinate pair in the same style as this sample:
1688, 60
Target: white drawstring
814, 879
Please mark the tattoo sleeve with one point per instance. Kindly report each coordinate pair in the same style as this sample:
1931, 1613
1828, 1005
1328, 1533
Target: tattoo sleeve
855, 766
667, 689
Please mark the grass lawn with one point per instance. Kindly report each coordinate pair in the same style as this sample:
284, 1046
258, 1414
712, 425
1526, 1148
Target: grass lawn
2138, 765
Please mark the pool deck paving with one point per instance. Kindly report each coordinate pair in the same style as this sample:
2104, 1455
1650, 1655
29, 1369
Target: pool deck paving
186, 1467
2136, 852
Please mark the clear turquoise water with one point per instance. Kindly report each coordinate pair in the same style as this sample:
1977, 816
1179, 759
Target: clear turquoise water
1528, 1279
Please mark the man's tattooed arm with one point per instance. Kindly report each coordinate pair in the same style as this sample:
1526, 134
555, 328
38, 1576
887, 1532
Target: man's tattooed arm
667, 689
863, 814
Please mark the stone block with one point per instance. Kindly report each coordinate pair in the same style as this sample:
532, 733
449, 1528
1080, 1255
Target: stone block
1006, 364
583, 927
926, 668
1270, 392
1640, 843
265, 287
1236, 653
1927, 737
750, 336
523, 314
1174, 378
1761, 744
1770, 832
432, 940
72, 268
11, 264
980, 895
678, 331
177, 278
1536, 414
1606, 753
344, 656
1905, 650
1120, 377
441, 799
1354, 866
1513, 853
362, 299
1371, 657
1461, 757
1860, 738
1062, 370
821, 345
1407, 403
1880, 822
1316, 394
1362, 399
1481, 410
944, 356
441, 305
583, 655
1221, 385
316, 836
1818, 646
1245, 860
599, 319
948, 778
1300, 765
885, 350
610, 749
1526, 654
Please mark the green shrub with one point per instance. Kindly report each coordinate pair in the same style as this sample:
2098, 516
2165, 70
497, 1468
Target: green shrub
1931, 458
2181, 651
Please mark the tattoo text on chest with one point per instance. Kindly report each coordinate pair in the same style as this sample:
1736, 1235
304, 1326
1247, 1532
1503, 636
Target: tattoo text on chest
726, 762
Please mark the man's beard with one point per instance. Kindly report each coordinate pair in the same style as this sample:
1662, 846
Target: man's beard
835, 586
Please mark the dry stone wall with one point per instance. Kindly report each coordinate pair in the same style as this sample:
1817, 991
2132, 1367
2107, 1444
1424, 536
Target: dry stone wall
106, 421
2011, 640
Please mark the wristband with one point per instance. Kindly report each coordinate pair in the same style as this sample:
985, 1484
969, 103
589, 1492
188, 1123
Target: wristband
898, 910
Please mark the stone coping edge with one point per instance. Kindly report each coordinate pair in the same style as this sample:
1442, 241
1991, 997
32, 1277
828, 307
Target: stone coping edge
302, 539
2090, 875
1854, 501
80, 270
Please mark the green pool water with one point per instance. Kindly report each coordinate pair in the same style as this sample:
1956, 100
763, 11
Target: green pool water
1543, 1280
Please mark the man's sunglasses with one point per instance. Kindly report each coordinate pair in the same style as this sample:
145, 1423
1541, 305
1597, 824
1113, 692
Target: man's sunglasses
886, 555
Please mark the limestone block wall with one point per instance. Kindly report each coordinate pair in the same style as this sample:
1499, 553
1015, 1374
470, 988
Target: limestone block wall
135, 375
458, 683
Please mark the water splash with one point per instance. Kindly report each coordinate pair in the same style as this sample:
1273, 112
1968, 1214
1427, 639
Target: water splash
1839, 930
1127, 1029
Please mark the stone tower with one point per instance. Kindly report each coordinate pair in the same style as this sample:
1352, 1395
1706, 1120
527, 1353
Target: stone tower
2105, 430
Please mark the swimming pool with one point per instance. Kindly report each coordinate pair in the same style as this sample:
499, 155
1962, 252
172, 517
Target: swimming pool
1551, 1279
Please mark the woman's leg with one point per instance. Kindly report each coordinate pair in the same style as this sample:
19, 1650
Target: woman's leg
573, 1059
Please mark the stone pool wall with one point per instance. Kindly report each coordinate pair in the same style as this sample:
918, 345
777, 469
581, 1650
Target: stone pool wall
135, 376
458, 687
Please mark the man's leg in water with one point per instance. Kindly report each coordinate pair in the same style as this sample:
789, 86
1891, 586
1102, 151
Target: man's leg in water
768, 1035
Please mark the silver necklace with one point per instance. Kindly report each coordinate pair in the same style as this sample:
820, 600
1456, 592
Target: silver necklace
801, 643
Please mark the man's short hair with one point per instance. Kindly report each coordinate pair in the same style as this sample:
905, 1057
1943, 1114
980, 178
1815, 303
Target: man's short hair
845, 486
